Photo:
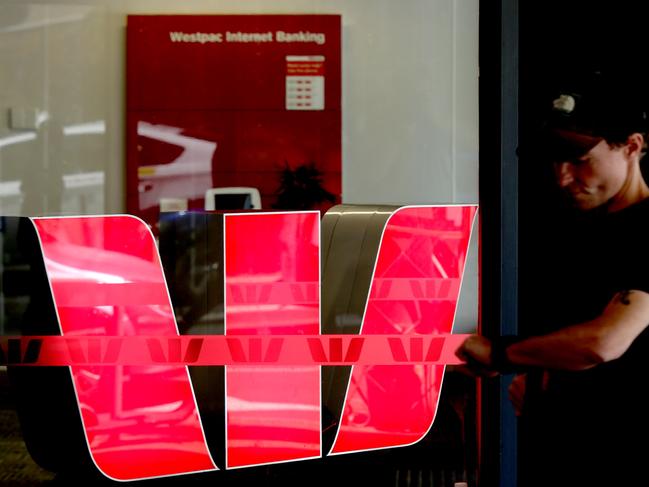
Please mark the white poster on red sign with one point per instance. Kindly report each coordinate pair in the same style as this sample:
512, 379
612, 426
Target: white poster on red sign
305, 82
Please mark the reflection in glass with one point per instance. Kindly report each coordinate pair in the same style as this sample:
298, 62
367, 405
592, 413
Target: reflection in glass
414, 291
272, 273
173, 163
106, 279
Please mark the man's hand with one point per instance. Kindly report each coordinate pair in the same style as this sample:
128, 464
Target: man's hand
476, 352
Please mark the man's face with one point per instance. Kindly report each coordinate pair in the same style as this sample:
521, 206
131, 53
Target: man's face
594, 178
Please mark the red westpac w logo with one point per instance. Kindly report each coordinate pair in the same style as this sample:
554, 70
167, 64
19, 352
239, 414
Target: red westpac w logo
267, 320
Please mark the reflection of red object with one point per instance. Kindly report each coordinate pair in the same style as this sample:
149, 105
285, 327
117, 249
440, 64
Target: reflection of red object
173, 163
106, 279
156, 152
142, 421
273, 412
396, 405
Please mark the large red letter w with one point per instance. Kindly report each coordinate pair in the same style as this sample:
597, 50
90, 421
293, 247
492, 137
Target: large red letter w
143, 421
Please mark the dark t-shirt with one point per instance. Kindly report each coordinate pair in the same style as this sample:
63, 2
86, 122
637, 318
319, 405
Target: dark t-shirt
590, 427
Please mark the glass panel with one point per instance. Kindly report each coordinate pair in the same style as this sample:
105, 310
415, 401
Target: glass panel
414, 290
392, 120
107, 280
273, 412
54, 150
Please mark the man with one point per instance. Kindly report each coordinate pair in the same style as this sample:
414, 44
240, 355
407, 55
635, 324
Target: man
584, 394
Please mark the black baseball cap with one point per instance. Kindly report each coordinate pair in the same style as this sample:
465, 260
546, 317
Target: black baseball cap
586, 111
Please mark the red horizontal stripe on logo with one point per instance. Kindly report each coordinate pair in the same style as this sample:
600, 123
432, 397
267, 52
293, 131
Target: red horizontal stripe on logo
231, 350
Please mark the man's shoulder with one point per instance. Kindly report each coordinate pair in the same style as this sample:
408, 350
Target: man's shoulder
640, 207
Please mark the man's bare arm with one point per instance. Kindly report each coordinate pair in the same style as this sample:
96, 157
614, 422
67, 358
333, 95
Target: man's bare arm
585, 345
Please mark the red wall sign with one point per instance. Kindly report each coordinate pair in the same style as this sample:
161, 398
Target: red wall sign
140, 415
229, 100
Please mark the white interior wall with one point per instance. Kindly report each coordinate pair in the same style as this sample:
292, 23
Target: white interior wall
410, 102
